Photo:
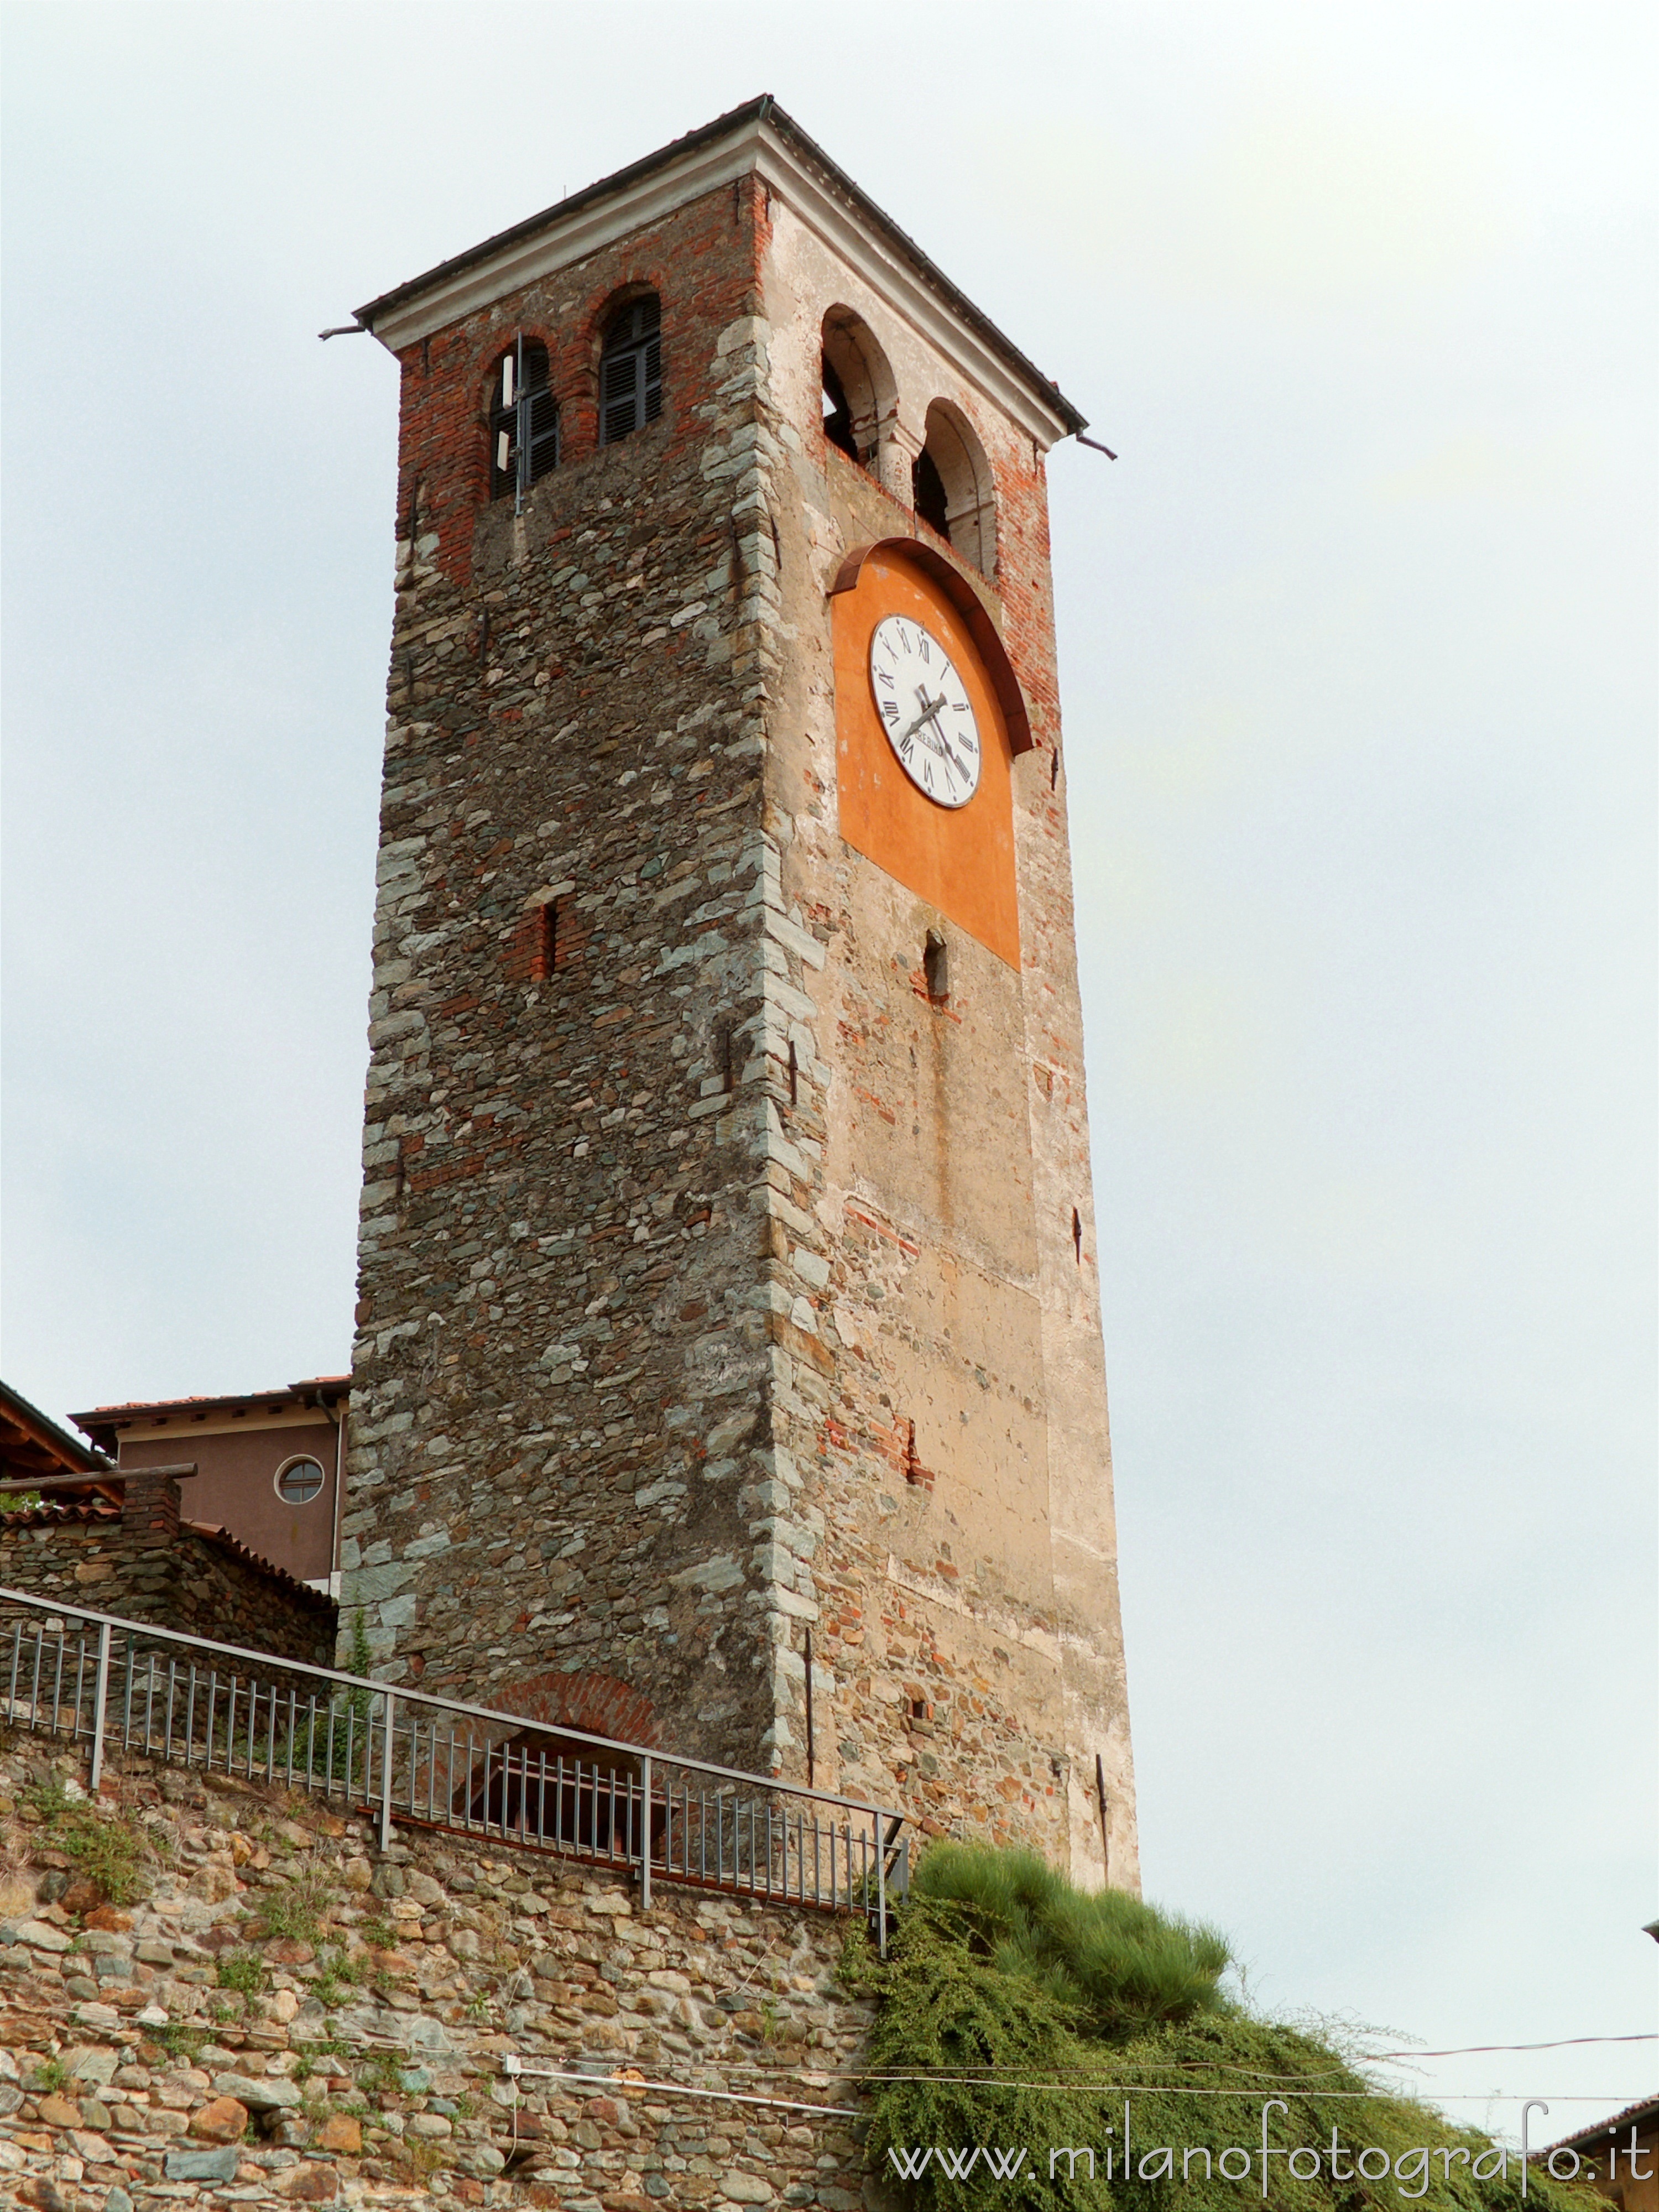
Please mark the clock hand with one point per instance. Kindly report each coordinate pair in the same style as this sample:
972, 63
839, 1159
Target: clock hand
933, 736
941, 743
927, 714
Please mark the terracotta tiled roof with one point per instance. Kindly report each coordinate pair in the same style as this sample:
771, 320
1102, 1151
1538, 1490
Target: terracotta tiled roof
200, 1401
47, 1516
238, 1550
1645, 2108
763, 110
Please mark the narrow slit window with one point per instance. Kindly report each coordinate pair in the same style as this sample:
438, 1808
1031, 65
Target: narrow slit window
524, 421
1077, 1235
630, 371
936, 967
794, 1077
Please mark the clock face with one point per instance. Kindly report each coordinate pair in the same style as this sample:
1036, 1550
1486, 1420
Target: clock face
925, 711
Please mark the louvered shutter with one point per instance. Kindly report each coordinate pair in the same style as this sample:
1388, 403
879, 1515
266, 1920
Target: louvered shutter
542, 432
630, 371
539, 417
651, 370
524, 422
619, 390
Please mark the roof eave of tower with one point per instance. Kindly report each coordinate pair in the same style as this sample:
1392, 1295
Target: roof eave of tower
758, 136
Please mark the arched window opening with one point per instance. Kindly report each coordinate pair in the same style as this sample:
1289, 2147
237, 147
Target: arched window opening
837, 413
524, 421
954, 492
927, 493
630, 370
860, 394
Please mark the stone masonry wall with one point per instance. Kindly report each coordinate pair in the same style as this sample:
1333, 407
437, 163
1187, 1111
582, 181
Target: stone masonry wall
560, 1360
179, 2048
140, 1562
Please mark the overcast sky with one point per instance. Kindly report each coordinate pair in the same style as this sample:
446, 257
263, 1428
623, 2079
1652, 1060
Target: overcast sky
1357, 673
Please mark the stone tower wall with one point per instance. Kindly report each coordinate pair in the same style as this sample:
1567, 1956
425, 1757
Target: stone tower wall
758, 1310
559, 1360
969, 1643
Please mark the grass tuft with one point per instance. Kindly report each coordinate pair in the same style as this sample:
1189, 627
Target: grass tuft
181, 2043
106, 1848
295, 1909
244, 1971
335, 1972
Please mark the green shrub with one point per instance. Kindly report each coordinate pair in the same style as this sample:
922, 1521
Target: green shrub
335, 1972
382, 2076
337, 1742
310, 2054
1015, 2012
181, 2043
1119, 1966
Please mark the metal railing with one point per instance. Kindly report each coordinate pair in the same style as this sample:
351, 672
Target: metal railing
407, 1757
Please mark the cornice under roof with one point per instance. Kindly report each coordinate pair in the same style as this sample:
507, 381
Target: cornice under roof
314, 1386
759, 136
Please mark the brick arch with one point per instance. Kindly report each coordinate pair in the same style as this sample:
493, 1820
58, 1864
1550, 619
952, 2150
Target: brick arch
954, 448
486, 360
851, 349
598, 1704
604, 307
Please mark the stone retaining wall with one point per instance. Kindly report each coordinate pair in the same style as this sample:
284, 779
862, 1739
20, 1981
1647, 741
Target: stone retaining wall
181, 2050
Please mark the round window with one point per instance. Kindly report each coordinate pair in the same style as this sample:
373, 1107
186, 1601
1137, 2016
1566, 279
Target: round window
299, 1481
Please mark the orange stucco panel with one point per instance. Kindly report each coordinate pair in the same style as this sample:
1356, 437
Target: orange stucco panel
962, 860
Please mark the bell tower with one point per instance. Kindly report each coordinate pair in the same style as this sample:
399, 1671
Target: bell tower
728, 1372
